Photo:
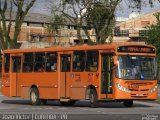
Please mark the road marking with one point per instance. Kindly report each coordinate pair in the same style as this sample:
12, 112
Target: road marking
36, 108
62, 108
49, 108
98, 111
84, 109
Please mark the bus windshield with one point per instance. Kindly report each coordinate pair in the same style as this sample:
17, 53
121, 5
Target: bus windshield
136, 67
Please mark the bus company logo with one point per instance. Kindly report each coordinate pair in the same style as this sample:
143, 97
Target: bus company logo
150, 117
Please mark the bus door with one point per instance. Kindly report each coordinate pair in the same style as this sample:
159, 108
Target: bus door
65, 70
14, 74
106, 69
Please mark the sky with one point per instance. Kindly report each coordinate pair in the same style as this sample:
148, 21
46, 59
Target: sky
43, 7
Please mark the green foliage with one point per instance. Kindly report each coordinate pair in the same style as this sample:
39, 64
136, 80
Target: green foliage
99, 15
153, 35
58, 22
21, 9
102, 18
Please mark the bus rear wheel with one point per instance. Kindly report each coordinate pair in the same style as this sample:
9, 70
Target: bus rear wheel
34, 96
93, 98
128, 103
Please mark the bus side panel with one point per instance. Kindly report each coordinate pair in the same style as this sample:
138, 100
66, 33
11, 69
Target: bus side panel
80, 81
13, 84
25, 91
6, 84
47, 84
78, 93
19, 84
48, 93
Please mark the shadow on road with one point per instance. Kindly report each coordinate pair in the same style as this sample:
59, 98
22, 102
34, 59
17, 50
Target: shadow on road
77, 104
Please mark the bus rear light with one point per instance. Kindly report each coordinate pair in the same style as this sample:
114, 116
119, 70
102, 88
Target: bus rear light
120, 87
153, 89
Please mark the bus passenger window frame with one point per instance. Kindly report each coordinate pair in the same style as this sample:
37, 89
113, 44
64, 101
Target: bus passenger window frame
51, 62
79, 58
92, 65
39, 61
6, 65
28, 64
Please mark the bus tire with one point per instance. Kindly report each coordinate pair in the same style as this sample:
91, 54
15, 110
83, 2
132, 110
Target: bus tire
34, 96
93, 98
128, 103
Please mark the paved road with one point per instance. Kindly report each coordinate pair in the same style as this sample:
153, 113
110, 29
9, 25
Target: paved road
81, 110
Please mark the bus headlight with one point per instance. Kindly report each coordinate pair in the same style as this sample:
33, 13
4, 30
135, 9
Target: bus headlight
120, 87
153, 89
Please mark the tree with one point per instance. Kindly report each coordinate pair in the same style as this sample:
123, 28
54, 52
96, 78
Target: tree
153, 36
72, 11
8, 6
99, 15
58, 22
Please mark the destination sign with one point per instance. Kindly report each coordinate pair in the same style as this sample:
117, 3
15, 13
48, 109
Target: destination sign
136, 49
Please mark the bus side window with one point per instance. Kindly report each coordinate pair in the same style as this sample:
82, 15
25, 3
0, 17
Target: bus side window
79, 61
51, 62
28, 62
92, 61
39, 65
6, 63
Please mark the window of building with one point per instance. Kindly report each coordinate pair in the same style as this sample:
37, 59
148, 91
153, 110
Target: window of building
124, 32
142, 33
92, 61
28, 62
6, 63
121, 33
35, 24
79, 61
51, 62
39, 64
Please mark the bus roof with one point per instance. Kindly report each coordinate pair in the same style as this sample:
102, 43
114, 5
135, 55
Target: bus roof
71, 48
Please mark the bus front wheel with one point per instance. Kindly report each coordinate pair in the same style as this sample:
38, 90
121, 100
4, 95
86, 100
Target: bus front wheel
128, 103
93, 98
34, 96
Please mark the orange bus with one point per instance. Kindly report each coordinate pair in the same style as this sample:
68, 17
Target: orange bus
96, 73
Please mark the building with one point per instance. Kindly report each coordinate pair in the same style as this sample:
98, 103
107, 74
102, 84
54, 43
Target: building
133, 29
34, 32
